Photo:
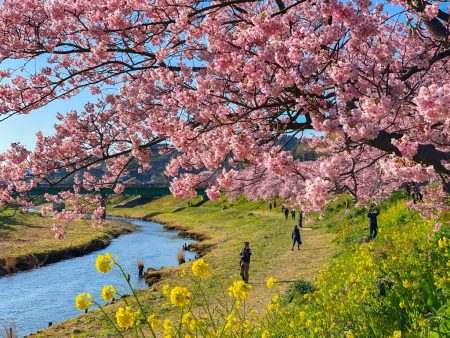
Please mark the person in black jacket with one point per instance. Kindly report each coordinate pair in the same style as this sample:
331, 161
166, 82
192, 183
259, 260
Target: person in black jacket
373, 226
245, 254
296, 238
300, 219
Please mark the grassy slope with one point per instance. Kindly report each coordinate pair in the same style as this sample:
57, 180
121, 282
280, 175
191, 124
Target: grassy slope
347, 284
24, 235
227, 224
405, 251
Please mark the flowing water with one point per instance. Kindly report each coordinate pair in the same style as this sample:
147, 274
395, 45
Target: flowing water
34, 298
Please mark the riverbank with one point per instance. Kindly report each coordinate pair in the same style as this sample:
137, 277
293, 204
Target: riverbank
26, 240
223, 228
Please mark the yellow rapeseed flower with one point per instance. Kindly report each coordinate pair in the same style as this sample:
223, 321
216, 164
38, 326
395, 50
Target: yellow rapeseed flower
247, 326
154, 322
200, 268
187, 317
104, 262
350, 334
193, 325
125, 317
265, 334
306, 296
443, 242
239, 290
166, 289
402, 305
168, 329
83, 301
108, 293
309, 323
271, 282
180, 296
232, 323
406, 284
275, 299
397, 334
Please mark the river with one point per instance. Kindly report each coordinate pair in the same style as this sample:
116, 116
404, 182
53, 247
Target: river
34, 298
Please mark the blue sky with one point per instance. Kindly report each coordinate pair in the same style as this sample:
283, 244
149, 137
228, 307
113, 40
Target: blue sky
23, 128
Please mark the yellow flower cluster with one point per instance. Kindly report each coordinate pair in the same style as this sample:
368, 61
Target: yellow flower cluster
397, 334
180, 296
108, 293
168, 328
232, 323
166, 289
126, 318
271, 282
154, 322
200, 268
239, 290
104, 263
83, 301
443, 242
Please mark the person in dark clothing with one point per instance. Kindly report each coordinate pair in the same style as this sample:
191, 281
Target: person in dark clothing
286, 213
373, 226
270, 206
293, 213
300, 219
296, 238
244, 263
274, 203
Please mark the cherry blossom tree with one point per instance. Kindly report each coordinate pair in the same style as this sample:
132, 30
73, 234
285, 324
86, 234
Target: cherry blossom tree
223, 85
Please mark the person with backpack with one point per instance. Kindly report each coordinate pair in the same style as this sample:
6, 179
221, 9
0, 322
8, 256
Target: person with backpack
244, 263
296, 238
373, 226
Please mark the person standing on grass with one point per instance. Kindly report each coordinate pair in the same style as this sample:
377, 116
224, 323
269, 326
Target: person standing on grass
293, 213
245, 254
286, 213
296, 238
373, 225
300, 219
270, 206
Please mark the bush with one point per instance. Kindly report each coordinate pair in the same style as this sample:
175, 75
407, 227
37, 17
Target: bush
297, 290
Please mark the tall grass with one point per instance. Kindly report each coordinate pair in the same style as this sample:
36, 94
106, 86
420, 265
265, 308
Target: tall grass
181, 256
8, 331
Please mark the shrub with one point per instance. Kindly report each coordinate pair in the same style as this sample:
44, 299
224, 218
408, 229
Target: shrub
297, 290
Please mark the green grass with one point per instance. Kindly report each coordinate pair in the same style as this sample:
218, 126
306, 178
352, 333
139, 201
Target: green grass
25, 235
332, 259
226, 225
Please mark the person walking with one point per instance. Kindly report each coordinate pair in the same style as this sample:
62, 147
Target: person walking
373, 225
293, 213
286, 213
300, 219
244, 263
270, 206
296, 238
